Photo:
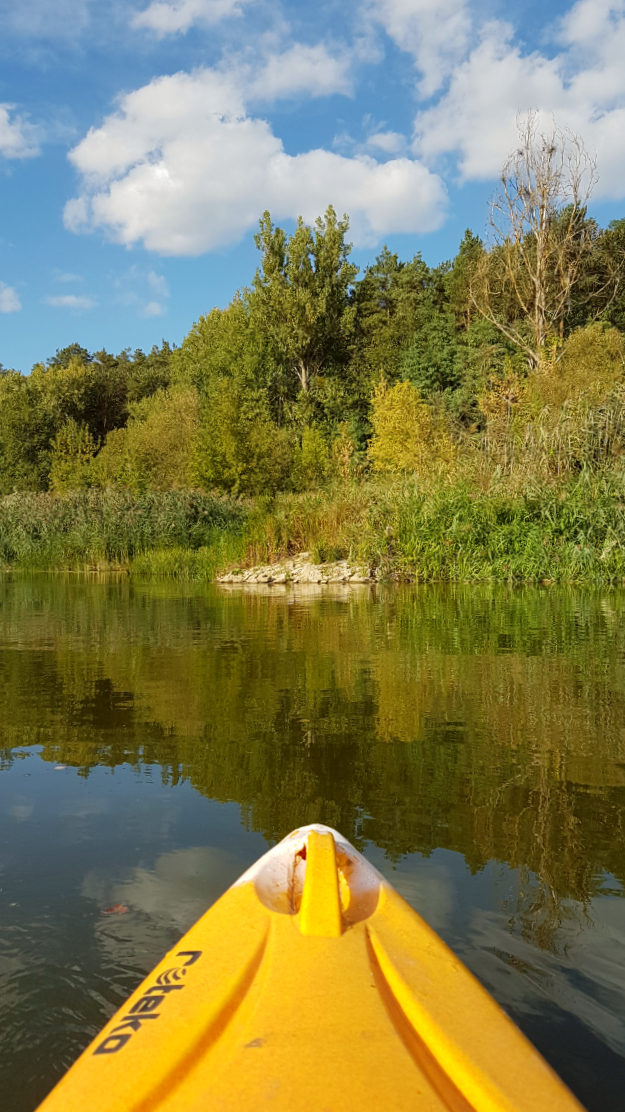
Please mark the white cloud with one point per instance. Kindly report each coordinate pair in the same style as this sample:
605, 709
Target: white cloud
153, 309
70, 301
435, 32
182, 168
158, 284
18, 138
166, 19
66, 276
389, 142
9, 301
141, 290
302, 69
182, 884
583, 85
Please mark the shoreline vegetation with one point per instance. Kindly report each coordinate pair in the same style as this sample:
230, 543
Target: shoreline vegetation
459, 423
389, 530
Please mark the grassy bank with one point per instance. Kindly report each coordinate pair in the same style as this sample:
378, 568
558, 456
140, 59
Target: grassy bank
566, 533
573, 532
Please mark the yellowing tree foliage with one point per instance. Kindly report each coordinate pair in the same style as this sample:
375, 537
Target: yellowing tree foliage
407, 435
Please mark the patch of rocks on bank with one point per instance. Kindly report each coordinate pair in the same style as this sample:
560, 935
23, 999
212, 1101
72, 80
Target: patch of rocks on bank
300, 569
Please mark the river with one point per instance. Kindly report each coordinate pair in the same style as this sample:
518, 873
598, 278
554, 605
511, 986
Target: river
155, 738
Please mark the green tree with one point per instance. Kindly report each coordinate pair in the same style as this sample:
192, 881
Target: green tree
391, 301
64, 356
300, 300
433, 362
73, 449
600, 291
377, 300
223, 344
145, 374
154, 450
239, 448
93, 391
458, 279
26, 433
613, 252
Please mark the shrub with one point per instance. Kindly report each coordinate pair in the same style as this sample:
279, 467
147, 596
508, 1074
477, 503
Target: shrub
567, 414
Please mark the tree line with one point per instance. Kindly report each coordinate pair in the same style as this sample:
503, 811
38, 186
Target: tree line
507, 359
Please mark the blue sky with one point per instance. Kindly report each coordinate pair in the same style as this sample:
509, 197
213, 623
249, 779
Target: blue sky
140, 140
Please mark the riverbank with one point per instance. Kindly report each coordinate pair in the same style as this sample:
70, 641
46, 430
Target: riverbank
573, 532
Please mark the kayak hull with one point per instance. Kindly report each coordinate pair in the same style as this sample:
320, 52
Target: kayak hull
311, 984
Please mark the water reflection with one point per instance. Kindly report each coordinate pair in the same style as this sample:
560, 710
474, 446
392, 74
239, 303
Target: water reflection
176, 891
472, 741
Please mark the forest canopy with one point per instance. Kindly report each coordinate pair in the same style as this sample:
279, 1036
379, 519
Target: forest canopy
506, 359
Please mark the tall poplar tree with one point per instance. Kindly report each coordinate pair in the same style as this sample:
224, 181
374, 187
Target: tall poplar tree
300, 299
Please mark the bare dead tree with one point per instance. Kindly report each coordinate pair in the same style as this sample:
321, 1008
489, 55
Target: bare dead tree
540, 238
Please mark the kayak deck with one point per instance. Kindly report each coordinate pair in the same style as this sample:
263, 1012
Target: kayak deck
311, 985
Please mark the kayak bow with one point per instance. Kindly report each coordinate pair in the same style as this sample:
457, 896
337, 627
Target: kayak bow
311, 986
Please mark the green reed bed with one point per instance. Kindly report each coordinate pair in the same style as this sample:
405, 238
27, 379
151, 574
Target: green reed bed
96, 528
572, 533
224, 548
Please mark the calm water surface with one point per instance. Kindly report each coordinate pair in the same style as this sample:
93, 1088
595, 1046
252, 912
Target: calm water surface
155, 739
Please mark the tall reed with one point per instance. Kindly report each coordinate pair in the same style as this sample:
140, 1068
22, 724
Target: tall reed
94, 527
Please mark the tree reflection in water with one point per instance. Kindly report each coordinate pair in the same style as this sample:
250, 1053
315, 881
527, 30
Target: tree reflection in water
490, 722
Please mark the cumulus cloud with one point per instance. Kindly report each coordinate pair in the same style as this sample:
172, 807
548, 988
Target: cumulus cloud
389, 142
18, 138
583, 85
301, 69
9, 301
167, 19
70, 301
435, 32
183, 168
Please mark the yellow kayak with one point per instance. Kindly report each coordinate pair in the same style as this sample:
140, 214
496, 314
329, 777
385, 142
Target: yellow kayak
311, 986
